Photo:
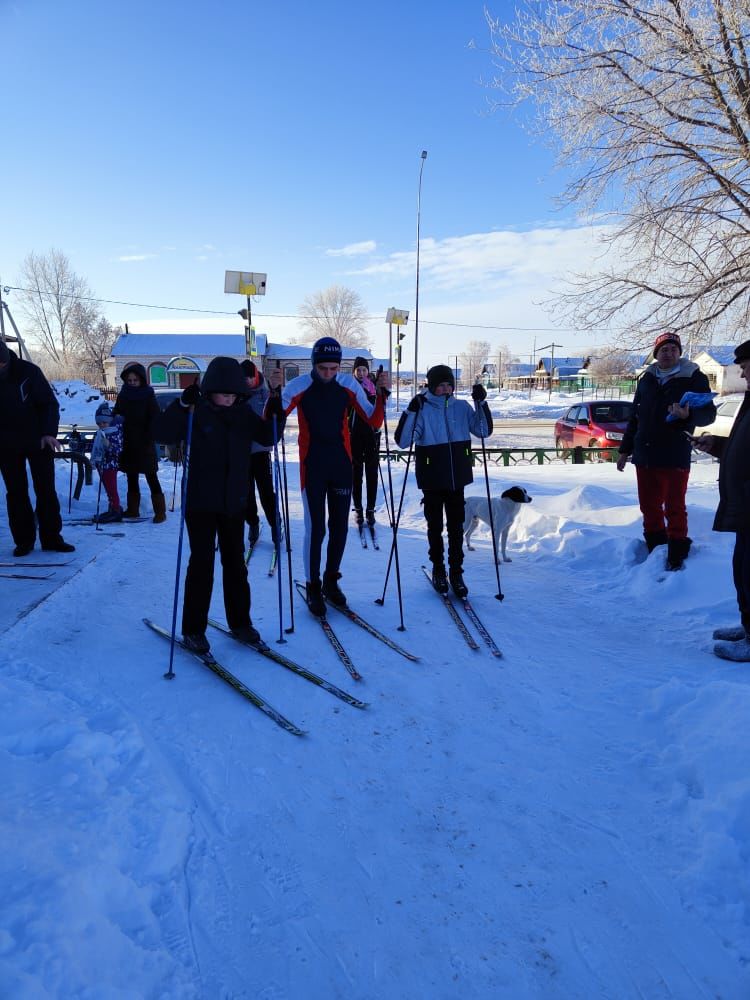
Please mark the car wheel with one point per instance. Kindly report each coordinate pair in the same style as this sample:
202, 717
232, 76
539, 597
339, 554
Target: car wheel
562, 451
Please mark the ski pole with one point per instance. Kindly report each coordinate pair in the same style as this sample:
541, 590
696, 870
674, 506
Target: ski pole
381, 600
174, 485
183, 490
97, 526
277, 485
499, 595
287, 534
394, 526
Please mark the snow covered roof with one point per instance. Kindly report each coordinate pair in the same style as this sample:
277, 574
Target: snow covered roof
722, 354
563, 366
211, 345
169, 345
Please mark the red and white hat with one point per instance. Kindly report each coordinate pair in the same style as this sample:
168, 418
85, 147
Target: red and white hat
668, 337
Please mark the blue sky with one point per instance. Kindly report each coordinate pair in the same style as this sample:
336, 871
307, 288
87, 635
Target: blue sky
158, 145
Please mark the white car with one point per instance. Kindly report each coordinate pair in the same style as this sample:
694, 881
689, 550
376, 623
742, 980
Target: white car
726, 411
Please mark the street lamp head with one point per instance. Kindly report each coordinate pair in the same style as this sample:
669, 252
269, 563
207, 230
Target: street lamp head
242, 313
424, 154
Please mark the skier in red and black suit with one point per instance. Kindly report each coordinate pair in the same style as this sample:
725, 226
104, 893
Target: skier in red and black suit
323, 398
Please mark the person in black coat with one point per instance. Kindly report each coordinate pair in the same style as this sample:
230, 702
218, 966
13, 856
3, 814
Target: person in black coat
733, 512
660, 448
29, 419
136, 404
223, 431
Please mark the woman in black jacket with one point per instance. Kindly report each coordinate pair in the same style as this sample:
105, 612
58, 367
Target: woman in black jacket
660, 448
224, 429
136, 404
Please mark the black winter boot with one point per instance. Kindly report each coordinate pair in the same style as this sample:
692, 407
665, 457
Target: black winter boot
439, 579
654, 538
314, 596
332, 590
358, 516
370, 515
457, 582
248, 634
677, 552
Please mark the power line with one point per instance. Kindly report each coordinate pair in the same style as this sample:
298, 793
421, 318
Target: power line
227, 312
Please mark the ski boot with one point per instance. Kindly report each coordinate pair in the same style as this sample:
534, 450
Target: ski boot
314, 597
439, 579
332, 590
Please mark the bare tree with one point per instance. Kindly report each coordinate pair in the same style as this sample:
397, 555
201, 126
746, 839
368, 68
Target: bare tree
51, 292
94, 337
608, 368
470, 361
337, 312
648, 103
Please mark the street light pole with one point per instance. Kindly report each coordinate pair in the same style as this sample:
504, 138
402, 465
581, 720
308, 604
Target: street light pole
416, 310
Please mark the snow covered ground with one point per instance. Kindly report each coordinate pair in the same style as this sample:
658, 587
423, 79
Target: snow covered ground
570, 821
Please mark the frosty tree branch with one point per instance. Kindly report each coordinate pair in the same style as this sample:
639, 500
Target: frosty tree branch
649, 104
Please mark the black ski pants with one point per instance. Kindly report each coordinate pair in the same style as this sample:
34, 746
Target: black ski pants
20, 512
741, 575
436, 502
261, 479
326, 483
365, 460
203, 528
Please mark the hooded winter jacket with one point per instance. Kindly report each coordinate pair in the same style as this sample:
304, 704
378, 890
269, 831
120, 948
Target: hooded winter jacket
650, 438
441, 432
137, 405
220, 442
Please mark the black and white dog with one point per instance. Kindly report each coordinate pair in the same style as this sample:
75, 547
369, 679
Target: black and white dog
505, 508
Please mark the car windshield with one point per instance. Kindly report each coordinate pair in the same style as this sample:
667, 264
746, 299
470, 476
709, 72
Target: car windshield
611, 413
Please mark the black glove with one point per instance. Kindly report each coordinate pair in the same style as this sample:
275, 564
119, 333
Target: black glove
416, 404
478, 393
274, 407
191, 396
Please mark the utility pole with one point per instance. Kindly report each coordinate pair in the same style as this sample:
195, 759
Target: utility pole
551, 365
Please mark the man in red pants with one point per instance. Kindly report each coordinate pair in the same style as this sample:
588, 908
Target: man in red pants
660, 448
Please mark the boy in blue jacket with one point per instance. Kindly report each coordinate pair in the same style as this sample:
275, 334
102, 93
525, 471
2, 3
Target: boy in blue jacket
440, 427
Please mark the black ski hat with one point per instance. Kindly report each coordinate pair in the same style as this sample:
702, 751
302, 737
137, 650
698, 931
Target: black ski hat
248, 368
742, 352
438, 374
361, 363
224, 375
326, 351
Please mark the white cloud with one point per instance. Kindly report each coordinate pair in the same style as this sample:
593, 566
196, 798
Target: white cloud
354, 249
129, 258
496, 260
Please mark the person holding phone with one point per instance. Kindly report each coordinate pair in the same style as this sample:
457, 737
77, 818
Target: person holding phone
658, 447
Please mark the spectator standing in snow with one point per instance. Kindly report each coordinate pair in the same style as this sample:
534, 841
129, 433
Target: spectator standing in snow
136, 404
323, 398
733, 512
29, 419
105, 455
660, 448
260, 458
223, 431
365, 450
440, 427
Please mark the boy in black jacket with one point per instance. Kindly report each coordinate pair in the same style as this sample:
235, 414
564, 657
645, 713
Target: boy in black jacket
224, 428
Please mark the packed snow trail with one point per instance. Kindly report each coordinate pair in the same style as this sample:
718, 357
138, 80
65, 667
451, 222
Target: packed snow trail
566, 822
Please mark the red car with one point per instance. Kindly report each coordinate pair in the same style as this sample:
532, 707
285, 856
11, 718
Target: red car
598, 424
